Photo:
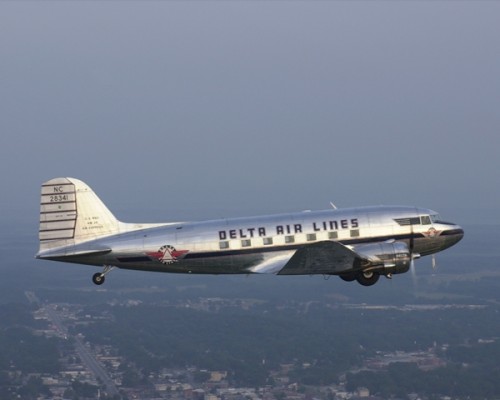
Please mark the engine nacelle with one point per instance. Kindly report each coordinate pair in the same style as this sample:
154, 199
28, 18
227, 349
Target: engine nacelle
386, 257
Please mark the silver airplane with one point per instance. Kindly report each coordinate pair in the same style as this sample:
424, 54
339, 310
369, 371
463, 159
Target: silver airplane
359, 244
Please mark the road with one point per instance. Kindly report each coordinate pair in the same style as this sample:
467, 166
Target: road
83, 352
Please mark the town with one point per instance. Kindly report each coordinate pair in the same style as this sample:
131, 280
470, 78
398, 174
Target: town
96, 370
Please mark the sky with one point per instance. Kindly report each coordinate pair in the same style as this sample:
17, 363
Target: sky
199, 110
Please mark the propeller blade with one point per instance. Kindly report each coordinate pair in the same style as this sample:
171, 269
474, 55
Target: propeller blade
412, 260
413, 274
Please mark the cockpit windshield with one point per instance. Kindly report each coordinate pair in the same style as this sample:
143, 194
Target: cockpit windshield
430, 219
435, 218
425, 220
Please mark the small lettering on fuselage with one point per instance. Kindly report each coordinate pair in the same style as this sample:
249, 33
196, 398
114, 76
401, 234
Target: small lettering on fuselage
288, 229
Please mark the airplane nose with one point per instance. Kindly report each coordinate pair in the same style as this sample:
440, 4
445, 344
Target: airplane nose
453, 236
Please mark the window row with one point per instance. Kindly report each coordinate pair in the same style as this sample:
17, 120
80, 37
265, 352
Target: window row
266, 241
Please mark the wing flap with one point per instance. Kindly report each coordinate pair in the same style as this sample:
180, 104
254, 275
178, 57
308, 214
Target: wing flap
324, 257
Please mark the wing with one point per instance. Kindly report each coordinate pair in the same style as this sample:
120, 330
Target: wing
325, 257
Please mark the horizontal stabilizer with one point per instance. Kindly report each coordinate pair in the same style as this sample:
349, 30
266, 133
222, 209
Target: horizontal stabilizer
61, 253
324, 257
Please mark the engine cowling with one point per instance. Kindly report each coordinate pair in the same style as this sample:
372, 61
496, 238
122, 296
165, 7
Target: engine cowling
386, 257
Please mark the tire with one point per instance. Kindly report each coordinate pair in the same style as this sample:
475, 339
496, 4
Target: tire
367, 278
347, 277
98, 278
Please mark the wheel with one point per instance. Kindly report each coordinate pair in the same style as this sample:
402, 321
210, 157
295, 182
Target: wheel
367, 278
349, 277
98, 278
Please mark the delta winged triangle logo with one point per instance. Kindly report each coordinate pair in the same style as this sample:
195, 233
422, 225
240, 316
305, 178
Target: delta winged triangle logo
167, 254
431, 233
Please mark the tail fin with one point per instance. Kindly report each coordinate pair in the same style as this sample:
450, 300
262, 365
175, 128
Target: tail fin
71, 213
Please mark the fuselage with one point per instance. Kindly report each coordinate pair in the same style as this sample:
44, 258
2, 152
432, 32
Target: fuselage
265, 243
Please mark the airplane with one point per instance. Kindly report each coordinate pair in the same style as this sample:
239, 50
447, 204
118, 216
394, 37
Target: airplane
357, 244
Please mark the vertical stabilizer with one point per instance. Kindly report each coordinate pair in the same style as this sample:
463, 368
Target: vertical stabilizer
71, 213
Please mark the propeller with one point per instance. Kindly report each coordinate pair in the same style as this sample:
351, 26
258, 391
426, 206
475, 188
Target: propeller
413, 274
413, 256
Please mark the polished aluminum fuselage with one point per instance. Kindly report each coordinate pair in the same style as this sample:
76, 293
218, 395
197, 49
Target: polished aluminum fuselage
263, 244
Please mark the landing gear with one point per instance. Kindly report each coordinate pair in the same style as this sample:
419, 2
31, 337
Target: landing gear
348, 277
99, 277
367, 278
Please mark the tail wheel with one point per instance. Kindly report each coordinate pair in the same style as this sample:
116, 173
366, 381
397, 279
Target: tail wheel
367, 278
98, 278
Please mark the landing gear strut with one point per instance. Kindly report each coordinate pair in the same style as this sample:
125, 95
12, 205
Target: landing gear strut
99, 277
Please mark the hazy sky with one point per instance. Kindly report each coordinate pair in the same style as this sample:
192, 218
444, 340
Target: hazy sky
179, 110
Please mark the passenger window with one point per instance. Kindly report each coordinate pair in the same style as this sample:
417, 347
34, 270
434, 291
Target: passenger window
246, 243
354, 232
268, 241
311, 237
224, 245
289, 239
333, 235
